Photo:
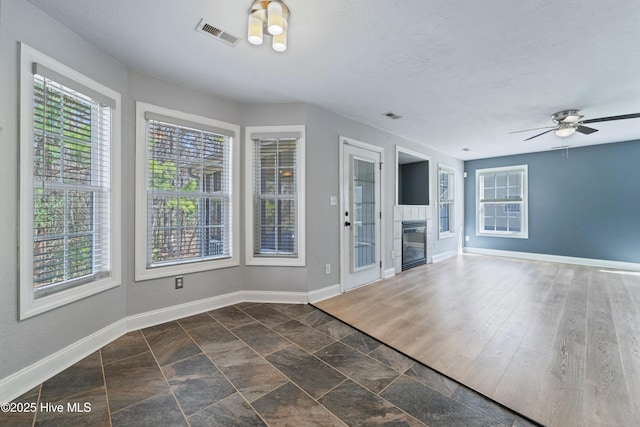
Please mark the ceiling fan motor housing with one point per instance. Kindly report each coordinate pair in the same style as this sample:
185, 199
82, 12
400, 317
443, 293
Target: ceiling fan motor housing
567, 116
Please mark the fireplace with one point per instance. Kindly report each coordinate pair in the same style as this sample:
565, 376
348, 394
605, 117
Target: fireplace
414, 244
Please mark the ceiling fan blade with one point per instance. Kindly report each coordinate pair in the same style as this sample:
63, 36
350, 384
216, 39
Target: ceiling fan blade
607, 119
585, 130
540, 134
529, 130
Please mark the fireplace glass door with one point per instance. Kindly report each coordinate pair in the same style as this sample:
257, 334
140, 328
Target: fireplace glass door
413, 244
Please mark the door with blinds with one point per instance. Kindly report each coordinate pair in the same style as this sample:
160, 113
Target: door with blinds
361, 215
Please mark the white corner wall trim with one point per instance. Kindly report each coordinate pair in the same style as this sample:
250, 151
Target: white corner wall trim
444, 255
324, 293
24, 380
389, 272
590, 262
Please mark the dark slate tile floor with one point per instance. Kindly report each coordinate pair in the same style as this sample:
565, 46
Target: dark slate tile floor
255, 365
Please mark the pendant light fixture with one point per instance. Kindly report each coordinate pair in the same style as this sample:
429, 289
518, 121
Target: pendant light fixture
269, 17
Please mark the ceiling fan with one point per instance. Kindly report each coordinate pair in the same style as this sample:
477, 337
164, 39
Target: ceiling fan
567, 122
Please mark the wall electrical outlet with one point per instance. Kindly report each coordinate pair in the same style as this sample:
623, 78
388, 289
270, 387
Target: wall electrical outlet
393, 254
179, 282
327, 268
466, 238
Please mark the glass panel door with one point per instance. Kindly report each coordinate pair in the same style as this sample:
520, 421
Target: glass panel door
361, 228
364, 209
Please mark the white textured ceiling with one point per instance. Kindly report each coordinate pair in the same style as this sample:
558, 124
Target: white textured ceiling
462, 73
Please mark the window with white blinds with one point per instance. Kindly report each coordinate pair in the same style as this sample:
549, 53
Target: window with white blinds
188, 191
502, 201
70, 187
277, 196
67, 184
446, 202
275, 207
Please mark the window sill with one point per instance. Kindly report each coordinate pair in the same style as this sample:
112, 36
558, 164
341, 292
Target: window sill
506, 235
144, 273
276, 262
34, 307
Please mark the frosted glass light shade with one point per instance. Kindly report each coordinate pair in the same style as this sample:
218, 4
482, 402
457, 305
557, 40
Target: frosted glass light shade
279, 43
255, 35
275, 20
564, 132
572, 118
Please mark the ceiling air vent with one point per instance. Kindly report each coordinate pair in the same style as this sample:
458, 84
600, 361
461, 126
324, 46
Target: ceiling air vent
217, 33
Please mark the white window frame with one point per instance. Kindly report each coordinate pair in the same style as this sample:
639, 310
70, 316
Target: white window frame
29, 305
452, 191
524, 217
251, 259
142, 272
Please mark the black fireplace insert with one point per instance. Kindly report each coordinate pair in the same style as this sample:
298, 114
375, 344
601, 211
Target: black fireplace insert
414, 244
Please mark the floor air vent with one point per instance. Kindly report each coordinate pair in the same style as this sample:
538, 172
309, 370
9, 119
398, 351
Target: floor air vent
217, 33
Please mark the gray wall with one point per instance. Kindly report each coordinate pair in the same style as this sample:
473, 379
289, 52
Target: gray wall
585, 205
324, 221
160, 293
260, 278
26, 342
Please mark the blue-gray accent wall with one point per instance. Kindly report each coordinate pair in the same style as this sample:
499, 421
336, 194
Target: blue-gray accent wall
585, 205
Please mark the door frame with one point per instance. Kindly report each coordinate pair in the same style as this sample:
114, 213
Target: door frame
342, 141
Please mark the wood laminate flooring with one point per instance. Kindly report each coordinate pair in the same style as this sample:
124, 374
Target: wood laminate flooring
558, 343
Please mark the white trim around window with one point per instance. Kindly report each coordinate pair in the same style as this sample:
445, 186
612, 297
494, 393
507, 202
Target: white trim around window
254, 134
88, 255
502, 202
446, 201
220, 192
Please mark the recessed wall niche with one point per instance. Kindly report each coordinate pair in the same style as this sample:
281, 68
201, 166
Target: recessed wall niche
412, 178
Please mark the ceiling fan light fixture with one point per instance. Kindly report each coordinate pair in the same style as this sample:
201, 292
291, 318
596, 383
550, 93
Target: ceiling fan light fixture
567, 122
565, 130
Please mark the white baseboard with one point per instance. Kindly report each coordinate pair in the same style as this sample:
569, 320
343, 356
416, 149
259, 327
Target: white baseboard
24, 380
27, 378
590, 262
276, 297
389, 272
324, 293
444, 255
162, 315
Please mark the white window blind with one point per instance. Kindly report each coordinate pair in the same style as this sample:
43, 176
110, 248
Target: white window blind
446, 200
502, 197
71, 187
188, 183
275, 195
